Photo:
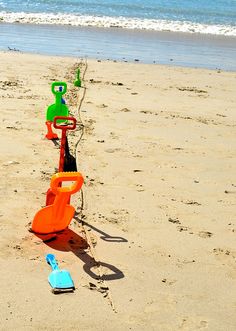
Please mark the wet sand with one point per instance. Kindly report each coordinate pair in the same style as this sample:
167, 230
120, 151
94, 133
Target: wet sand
177, 49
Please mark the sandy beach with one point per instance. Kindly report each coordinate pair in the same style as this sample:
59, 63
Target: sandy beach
152, 244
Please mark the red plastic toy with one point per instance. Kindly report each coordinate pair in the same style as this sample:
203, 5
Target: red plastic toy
50, 134
68, 124
57, 217
64, 127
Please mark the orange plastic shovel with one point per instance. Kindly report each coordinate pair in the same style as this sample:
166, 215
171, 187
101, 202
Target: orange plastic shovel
57, 216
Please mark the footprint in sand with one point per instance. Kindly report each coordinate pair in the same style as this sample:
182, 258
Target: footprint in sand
227, 258
190, 324
118, 216
182, 228
174, 220
205, 234
93, 81
125, 110
146, 112
113, 135
168, 282
117, 84
45, 176
222, 252
4, 85
191, 89
191, 202
112, 150
102, 106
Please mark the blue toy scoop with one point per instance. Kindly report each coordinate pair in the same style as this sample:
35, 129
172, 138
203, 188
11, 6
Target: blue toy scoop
60, 280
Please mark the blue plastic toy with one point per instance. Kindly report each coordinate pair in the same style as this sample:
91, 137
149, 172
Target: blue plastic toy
62, 99
60, 280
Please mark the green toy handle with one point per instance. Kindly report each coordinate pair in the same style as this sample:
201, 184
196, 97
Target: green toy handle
57, 92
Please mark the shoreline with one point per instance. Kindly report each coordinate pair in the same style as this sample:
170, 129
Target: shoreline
162, 66
177, 48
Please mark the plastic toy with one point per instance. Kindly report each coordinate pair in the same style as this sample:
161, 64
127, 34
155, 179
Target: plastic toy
64, 128
50, 134
62, 100
50, 196
59, 108
57, 217
77, 82
60, 280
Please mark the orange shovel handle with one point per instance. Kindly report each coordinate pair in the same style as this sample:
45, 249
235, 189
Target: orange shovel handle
60, 177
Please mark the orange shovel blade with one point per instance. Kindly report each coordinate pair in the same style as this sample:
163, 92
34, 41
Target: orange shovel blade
44, 222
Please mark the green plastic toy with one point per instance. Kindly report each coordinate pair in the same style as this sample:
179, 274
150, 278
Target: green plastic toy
58, 108
77, 82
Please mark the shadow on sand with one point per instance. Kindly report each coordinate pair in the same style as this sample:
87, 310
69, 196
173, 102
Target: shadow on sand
69, 241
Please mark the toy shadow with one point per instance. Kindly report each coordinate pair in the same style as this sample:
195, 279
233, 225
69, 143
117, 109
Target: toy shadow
56, 142
69, 241
104, 236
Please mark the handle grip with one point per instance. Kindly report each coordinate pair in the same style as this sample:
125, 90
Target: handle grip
57, 179
61, 91
50, 258
68, 126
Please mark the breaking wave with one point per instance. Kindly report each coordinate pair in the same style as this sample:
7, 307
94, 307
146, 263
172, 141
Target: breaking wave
118, 22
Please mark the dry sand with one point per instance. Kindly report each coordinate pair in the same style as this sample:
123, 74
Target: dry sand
154, 246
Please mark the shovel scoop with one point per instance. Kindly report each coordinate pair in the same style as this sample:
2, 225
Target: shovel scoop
60, 280
57, 217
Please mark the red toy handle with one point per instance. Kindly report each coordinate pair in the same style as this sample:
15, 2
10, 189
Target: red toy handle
63, 126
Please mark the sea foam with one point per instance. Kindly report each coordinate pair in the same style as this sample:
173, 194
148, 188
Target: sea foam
119, 22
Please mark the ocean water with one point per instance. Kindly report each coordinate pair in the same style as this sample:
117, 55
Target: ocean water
195, 33
216, 17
